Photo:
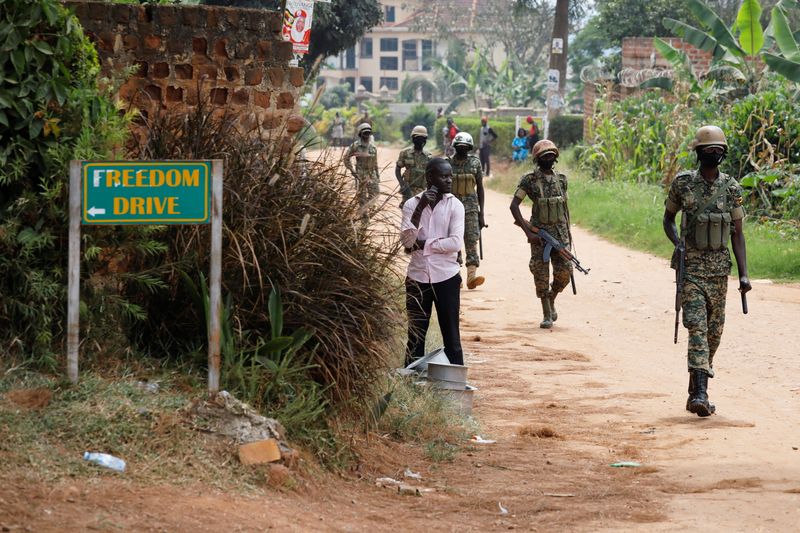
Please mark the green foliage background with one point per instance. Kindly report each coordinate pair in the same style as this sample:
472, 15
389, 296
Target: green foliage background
503, 128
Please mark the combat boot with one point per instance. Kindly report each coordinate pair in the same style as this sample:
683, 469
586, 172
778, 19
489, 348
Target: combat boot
473, 279
553, 313
711, 406
547, 322
698, 402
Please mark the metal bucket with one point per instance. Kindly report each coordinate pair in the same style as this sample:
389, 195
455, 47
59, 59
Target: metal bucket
448, 385
447, 372
463, 397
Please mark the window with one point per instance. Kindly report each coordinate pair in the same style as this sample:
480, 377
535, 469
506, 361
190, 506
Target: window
388, 63
410, 61
388, 14
390, 83
389, 45
350, 82
367, 83
427, 54
350, 58
366, 48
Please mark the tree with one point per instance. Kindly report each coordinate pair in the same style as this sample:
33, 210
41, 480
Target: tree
336, 26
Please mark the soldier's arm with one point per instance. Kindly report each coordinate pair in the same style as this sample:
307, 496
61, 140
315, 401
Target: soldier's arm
672, 206
479, 187
348, 163
519, 220
737, 242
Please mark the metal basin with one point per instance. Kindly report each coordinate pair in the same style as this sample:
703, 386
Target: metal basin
436, 356
447, 372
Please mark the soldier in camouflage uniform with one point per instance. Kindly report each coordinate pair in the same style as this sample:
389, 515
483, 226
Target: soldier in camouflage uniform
711, 203
547, 190
413, 159
468, 188
366, 173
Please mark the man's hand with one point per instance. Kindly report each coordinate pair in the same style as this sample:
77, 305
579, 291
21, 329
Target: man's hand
428, 197
744, 285
481, 221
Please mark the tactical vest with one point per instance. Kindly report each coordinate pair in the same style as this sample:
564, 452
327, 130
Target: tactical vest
711, 228
464, 182
550, 210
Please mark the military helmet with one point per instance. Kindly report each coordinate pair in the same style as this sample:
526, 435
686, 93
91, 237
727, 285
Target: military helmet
709, 136
419, 131
544, 146
362, 128
463, 137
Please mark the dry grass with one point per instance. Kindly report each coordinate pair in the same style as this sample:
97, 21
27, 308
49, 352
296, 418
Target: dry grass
292, 224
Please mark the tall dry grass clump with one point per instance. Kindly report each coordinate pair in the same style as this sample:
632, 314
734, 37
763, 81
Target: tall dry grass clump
291, 224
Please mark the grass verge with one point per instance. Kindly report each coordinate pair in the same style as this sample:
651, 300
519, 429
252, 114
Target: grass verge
630, 214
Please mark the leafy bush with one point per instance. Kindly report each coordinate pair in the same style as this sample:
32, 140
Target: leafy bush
52, 111
338, 96
566, 130
503, 128
763, 132
420, 116
642, 138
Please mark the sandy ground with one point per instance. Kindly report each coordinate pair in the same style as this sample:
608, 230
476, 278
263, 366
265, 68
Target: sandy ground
606, 384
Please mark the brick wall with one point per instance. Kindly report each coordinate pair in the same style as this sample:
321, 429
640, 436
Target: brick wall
638, 53
235, 57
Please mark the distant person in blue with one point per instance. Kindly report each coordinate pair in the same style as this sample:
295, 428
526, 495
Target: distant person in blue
520, 145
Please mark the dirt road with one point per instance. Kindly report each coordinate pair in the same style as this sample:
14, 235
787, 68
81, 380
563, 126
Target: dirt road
606, 384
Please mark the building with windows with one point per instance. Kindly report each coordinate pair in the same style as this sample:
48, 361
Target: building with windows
386, 55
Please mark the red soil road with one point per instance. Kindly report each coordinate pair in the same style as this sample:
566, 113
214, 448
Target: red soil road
605, 384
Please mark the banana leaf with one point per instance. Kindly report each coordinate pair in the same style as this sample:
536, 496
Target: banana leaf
695, 37
785, 67
783, 35
751, 35
716, 26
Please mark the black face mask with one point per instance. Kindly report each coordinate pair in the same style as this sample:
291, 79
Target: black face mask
546, 164
710, 160
419, 142
462, 150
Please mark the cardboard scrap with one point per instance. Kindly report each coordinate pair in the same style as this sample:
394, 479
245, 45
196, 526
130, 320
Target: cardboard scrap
259, 452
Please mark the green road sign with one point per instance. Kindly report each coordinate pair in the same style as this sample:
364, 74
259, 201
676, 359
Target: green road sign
146, 192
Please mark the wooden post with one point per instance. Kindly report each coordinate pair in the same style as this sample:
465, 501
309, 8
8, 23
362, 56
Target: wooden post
215, 278
74, 271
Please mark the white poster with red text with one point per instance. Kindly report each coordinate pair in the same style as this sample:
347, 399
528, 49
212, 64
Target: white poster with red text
297, 24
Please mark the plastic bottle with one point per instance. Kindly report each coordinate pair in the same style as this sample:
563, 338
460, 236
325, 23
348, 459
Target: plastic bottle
106, 460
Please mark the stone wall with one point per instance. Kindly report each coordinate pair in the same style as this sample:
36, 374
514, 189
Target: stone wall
235, 58
640, 56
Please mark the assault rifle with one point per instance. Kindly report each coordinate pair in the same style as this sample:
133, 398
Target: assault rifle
550, 244
680, 272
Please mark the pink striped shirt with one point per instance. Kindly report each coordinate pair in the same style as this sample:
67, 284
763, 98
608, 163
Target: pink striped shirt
442, 229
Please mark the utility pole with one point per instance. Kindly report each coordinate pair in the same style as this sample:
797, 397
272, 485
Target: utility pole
557, 73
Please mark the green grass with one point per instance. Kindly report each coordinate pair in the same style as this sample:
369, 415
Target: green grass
630, 214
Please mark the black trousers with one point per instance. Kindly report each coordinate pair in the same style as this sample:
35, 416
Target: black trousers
486, 164
420, 298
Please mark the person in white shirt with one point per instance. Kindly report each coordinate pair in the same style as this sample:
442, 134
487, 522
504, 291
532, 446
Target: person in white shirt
432, 231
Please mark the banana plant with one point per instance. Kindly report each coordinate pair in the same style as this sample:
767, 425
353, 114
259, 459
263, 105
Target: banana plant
738, 58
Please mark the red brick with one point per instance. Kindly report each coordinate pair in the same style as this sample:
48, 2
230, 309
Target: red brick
192, 17
241, 97
295, 123
264, 49
200, 46
208, 71
219, 96
142, 69
296, 76
261, 99
254, 76
221, 48
166, 16
183, 72
131, 42
154, 92
275, 76
174, 94
285, 100
231, 73
274, 22
152, 42
283, 51
98, 11
160, 70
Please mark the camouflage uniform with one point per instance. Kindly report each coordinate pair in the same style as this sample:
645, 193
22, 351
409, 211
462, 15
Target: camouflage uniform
414, 163
537, 185
466, 174
706, 279
368, 180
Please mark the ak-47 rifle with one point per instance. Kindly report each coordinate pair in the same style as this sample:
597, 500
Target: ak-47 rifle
680, 271
550, 244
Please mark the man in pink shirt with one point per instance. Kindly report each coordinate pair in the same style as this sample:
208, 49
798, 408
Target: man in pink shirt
432, 231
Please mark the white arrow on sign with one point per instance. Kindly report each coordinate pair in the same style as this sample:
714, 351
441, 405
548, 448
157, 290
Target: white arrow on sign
95, 211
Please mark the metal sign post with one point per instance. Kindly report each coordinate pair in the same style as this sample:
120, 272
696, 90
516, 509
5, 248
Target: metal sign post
145, 192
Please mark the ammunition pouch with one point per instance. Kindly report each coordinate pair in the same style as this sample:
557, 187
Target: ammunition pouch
463, 184
712, 231
550, 210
